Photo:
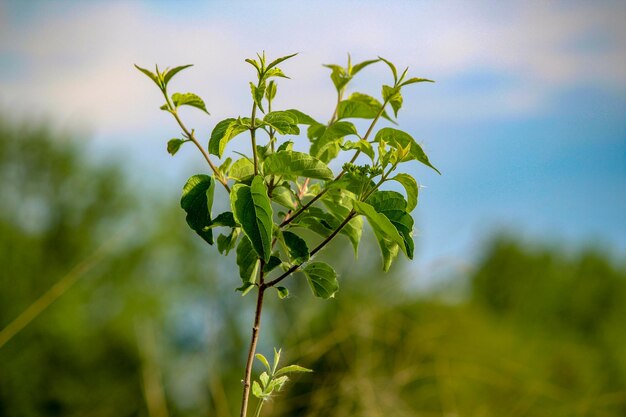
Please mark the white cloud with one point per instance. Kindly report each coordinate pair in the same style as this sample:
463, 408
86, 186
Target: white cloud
78, 63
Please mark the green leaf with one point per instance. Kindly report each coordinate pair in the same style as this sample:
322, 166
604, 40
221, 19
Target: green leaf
242, 170
393, 97
317, 220
392, 67
291, 369
358, 67
388, 249
339, 204
275, 72
282, 292
283, 122
339, 76
301, 118
326, 147
169, 73
257, 94
197, 200
283, 196
150, 75
398, 138
225, 219
270, 91
298, 249
291, 163
361, 145
279, 60
253, 211
393, 206
256, 389
272, 264
264, 361
380, 223
360, 106
225, 243
416, 80
222, 133
189, 99
173, 145
264, 378
247, 260
322, 279
411, 188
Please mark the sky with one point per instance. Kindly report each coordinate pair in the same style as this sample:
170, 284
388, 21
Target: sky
526, 120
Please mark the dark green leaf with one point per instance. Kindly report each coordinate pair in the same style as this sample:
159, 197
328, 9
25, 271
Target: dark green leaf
197, 200
411, 187
189, 99
225, 243
298, 249
322, 279
393, 206
380, 223
291, 163
247, 260
339, 204
271, 264
398, 138
222, 133
150, 75
225, 219
169, 73
173, 145
253, 211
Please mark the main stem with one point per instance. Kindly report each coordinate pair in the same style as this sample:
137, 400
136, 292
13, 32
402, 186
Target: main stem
253, 342
253, 138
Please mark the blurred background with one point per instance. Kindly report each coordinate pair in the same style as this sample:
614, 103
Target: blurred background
514, 306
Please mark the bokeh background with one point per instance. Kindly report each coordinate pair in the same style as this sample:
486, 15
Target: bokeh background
514, 306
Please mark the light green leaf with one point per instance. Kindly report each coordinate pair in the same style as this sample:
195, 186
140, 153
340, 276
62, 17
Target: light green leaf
253, 211
150, 75
291, 369
270, 91
282, 292
388, 249
301, 118
393, 206
416, 80
393, 97
275, 72
380, 223
279, 60
291, 163
222, 133
247, 260
392, 67
411, 188
398, 138
358, 67
360, 106
173, 145
189, 99
361, 145
264, 361
283, 122
339, 204
169, 73
283, 196
322, 279
264, 378
256, 389
298, 249
339, 76
257, 94
242, 170
225, 243
197, 200
326, 147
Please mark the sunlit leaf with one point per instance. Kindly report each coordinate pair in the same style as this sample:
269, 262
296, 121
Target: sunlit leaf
398, 138
222, 133
294, 164
189, 99
411, 187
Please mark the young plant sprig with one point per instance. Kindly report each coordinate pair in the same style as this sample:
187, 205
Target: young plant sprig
275, 192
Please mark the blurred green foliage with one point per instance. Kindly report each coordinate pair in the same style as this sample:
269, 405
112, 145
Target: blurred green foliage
156, 322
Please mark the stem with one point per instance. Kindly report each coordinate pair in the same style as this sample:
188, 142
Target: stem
192, 137
319, 247
253, 138
321, 193
253, 342
257, 413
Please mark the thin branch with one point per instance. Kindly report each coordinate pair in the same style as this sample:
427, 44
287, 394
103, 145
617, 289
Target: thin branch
253, 139
253, 342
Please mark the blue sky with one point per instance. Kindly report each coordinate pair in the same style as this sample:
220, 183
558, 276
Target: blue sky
526, 120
